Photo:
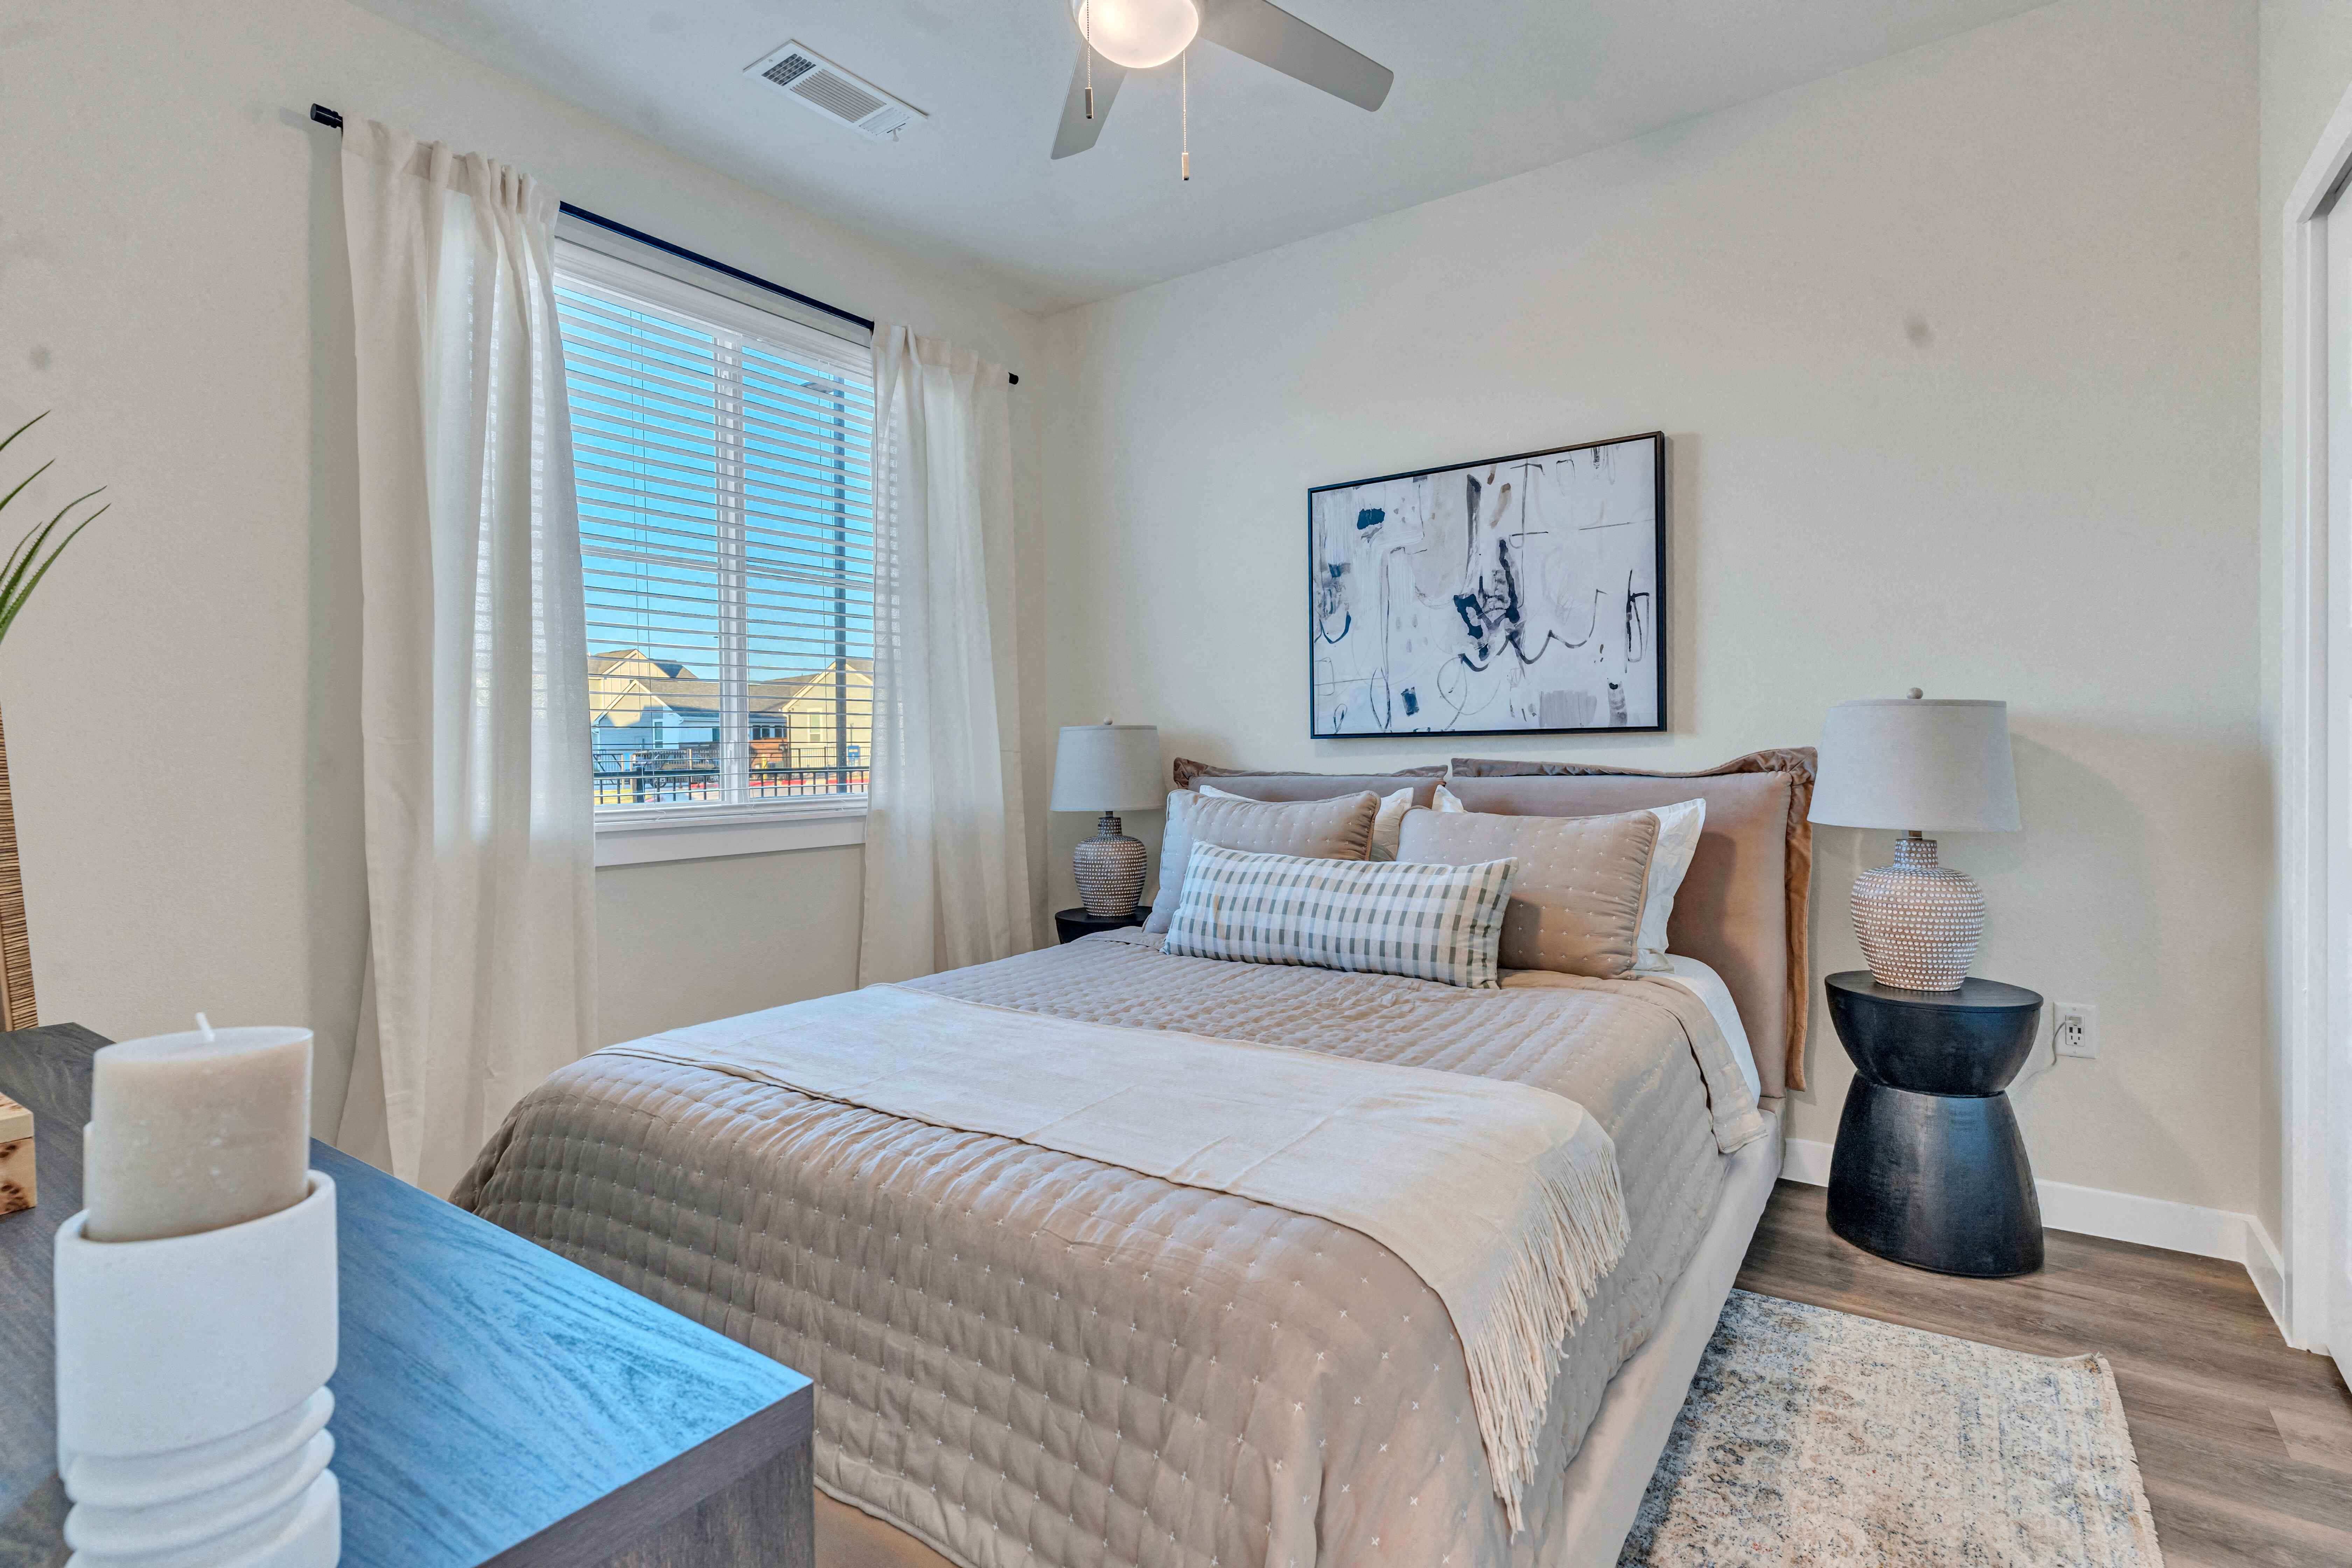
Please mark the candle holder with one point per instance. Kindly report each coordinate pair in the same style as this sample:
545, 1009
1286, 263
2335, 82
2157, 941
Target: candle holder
192, 1397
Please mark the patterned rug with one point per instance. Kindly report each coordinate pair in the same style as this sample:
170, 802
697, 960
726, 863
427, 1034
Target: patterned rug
1811, 1436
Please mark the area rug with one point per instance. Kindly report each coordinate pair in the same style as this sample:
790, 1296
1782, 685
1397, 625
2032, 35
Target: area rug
1813, 1436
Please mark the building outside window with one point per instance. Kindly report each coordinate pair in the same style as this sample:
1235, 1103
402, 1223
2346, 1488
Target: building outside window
727, 544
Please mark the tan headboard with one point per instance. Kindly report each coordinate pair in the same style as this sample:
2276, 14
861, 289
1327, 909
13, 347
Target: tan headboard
1743, 906
1261, 784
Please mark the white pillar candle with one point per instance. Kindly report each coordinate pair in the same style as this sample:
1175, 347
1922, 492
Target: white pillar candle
190, 1132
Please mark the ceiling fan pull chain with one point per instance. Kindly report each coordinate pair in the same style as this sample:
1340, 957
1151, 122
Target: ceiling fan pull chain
1184, 109
1090, 60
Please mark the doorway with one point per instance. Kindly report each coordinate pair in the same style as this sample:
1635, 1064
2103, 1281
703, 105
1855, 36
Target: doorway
2315, 783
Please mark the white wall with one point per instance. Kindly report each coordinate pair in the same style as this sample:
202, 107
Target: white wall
2306, 69
1957, 352
173, 283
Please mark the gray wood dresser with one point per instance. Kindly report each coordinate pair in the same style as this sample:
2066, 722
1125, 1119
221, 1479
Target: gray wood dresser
494, 1404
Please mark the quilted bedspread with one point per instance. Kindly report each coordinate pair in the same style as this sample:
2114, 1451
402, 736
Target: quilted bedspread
1026, 1357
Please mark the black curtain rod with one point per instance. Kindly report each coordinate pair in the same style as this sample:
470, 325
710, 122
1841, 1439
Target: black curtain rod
332, 119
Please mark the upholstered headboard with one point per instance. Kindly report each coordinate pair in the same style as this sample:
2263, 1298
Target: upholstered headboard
1266, 785
1743, 905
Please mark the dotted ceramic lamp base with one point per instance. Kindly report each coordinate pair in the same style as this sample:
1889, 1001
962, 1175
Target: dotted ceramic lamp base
1109, 868
1918, 922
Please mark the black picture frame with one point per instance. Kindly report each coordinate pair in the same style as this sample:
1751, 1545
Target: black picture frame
1657, 653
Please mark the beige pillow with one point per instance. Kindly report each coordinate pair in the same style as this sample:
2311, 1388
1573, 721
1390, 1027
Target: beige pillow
1679, 825
1338, 829
1385, 826
1577, 904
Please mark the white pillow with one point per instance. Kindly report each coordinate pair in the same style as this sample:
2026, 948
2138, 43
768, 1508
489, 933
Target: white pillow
1386, 826
1678, 829
1678, 826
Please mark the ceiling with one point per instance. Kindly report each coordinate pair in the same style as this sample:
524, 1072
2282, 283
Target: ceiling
1484, 90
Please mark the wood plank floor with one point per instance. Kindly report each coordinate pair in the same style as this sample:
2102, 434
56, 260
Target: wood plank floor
2245, 1445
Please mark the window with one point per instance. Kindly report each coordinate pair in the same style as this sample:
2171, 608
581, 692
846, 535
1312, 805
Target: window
727, 547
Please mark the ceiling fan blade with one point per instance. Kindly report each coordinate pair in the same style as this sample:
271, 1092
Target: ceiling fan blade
1077, 132
1272, 36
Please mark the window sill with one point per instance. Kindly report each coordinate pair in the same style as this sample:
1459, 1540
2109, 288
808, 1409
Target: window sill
657, 834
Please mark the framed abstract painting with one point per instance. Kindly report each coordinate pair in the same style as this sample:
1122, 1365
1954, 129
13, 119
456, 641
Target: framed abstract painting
1514, 596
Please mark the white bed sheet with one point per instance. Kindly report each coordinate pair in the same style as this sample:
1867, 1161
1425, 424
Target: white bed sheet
1702, 982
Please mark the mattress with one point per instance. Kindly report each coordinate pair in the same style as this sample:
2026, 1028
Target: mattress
1026, 1357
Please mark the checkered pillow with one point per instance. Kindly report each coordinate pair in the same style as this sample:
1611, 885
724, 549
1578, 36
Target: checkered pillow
1379, 917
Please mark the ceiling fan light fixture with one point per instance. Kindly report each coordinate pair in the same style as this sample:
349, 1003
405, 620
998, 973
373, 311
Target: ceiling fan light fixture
1137, 34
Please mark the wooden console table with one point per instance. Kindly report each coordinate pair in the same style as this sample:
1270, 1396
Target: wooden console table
494, 1403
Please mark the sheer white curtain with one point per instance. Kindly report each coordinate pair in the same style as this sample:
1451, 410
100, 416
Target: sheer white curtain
947, 860
474, 704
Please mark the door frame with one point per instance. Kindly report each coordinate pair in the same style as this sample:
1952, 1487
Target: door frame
2307, 1087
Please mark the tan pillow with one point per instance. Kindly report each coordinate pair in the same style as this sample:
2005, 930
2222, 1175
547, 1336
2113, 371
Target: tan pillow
1316, 829
1577, 904
1742, 909
1386, 826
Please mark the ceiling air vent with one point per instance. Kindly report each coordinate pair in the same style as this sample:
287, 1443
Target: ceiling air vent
800, 72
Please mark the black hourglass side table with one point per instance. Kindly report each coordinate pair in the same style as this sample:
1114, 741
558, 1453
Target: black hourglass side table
1930, 1168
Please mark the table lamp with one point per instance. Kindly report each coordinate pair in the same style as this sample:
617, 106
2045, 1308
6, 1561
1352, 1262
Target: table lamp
1914, 763
1109, 768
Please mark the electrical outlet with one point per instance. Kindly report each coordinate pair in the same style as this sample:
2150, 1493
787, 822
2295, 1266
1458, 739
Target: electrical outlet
2077, 1029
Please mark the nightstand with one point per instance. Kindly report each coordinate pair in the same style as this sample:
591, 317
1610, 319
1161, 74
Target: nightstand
1929, 1169
1071, 924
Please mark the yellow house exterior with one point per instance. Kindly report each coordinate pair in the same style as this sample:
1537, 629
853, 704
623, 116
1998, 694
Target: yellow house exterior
668, 718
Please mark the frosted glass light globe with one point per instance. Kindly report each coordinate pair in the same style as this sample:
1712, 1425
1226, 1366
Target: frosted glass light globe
1138, 34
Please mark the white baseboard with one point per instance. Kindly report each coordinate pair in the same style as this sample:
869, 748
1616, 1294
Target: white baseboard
2237, 1238
2269, 1270
1805, 1160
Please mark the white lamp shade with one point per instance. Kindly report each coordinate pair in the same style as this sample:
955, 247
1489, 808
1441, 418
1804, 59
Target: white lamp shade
1108, 767
1933, 764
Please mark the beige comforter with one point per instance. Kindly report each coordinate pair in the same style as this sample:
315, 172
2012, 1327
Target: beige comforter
1024, 1356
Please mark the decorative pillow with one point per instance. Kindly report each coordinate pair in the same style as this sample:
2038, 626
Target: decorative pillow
1679, 830
1386, 826
1576, 906
1427, 922
1315, 830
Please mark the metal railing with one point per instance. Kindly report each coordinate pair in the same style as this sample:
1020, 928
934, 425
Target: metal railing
700, 786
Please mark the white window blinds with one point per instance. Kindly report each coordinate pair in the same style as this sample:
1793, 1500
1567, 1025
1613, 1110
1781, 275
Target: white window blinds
725, 541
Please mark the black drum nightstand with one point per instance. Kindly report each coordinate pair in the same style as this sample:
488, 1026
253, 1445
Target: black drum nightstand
1071, 924
1930, 1168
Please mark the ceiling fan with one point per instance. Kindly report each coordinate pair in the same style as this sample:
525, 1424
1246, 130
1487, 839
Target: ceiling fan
1135, 35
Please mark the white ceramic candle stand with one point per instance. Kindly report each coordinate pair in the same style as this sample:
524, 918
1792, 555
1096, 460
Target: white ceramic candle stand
192, 1397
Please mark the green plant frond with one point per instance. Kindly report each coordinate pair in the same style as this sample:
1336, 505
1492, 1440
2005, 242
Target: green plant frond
26, 565
28, 478
13, 567
28, 549
38, 532
12, 596
20, 429
8, 566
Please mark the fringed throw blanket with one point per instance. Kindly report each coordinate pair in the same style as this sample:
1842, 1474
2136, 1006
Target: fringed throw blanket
1504, 1198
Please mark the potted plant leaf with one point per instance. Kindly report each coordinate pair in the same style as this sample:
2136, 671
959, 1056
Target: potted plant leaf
20, 574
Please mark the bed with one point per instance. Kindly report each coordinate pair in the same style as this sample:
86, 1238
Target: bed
1026, 1356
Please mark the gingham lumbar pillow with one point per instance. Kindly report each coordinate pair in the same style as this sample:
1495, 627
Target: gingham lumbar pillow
1384, 917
